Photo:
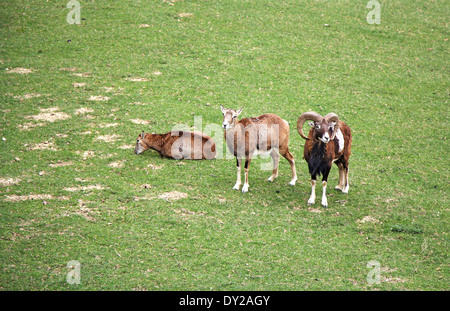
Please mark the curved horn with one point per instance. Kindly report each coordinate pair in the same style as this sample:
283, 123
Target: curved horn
332, 117
311, 115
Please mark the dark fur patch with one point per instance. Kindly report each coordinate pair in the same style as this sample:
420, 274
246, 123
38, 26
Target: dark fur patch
318, 163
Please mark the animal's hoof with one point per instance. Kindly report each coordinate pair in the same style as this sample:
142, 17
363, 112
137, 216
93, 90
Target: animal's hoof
292, 183
245, 188
311, 202
236, 187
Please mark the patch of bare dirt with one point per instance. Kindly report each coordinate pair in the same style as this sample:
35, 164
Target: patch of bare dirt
20, 70
98, 98
27, 96
29, 126
75, 84
186, 15
111, 89
82, 74
140, 121
19, 198
4, 182
138, 79
173, 196
86, 154
46, 145
72, 69
146, 197
84, 188
50, 115
60, 164
117, 164
108, 138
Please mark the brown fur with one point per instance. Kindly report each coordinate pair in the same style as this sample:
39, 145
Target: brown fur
178, 145
248, 136
320, 152
331, 150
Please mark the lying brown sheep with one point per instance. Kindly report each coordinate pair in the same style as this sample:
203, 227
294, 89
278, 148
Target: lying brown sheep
178, 145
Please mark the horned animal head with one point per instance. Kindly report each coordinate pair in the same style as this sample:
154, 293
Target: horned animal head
141, 146
324, 127
229, 117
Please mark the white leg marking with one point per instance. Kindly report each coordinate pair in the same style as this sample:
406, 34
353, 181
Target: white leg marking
238, 181
245, 188
345, 189
292, 182
324, 194
312, 198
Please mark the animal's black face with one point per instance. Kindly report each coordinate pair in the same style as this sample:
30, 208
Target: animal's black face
323, 130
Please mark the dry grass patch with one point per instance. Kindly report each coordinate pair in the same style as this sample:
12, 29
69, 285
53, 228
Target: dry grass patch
4, 182
117, 164
137, 79
84, 188
86, 154
185, 15
20, 70
29, 126
99, 98
27, 96
83, 74
46, 145
155, 167
83, 110
19, 198
50, 115
60, 164
140, 121
173, 196
72, 69
108, 138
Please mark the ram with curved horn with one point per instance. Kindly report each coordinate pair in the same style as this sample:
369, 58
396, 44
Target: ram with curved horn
329, 141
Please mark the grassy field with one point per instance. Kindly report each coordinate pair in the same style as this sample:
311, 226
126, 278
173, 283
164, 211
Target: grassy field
74, 97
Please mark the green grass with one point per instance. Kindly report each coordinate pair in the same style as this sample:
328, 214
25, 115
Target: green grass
388, 82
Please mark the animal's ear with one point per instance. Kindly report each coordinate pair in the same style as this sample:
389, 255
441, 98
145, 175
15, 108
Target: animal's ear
223, 109
239, 111
142, 135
